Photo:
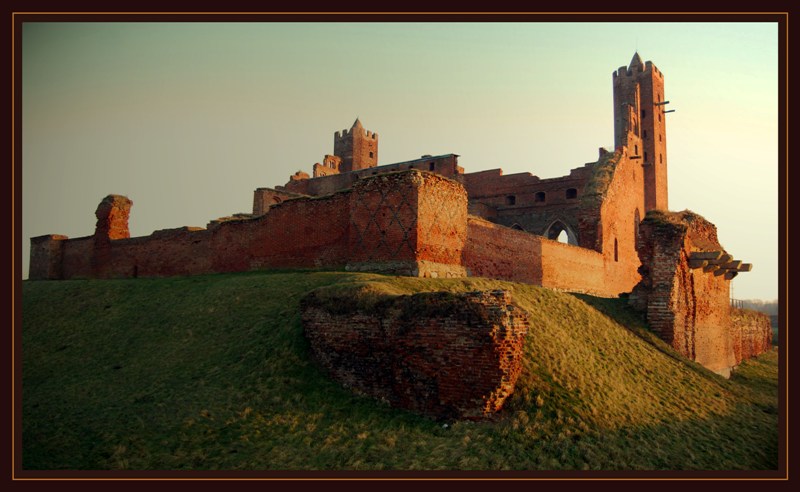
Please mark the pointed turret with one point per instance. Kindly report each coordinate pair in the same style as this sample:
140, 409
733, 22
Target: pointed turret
636, 61
357, 148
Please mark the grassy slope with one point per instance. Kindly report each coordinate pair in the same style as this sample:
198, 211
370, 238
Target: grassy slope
211, 372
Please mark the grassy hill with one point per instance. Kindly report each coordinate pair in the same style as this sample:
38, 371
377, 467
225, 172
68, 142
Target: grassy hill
211, 372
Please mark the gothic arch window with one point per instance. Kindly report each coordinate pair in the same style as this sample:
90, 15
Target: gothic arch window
555, 229
517, 227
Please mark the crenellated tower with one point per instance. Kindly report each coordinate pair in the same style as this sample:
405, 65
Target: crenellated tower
639, 120
358, 148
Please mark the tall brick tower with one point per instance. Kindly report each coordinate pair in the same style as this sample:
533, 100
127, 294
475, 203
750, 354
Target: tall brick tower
357, 147
639, 108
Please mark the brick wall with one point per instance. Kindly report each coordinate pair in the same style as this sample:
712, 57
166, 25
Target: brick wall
375, 226
445, 165
500, 252
411, 223
751, 332
264, 198
411, 351
47, 256
687, 307
520, 259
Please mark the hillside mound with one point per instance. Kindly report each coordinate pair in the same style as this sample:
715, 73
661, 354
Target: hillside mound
213, 372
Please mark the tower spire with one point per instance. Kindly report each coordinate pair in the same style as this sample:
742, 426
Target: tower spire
357, 123
635, 61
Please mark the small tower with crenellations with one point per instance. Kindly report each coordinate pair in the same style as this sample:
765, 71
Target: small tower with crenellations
357, 147
639, 120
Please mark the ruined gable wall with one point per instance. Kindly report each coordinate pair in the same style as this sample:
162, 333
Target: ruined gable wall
687, 307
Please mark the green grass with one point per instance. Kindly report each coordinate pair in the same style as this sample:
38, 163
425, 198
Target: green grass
212, 372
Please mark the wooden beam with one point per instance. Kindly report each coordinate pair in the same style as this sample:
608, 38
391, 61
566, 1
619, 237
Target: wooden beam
732, 265
745, 267
722, 259
710, 268
720, 271
729, 275
697, 263
705, 255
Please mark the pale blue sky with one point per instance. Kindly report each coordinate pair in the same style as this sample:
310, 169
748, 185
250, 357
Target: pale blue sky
187, 119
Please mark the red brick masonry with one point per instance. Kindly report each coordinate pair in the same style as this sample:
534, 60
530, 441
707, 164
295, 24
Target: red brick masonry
689, 307
440, 354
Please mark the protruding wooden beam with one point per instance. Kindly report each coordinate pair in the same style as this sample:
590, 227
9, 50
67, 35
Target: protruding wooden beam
729, 275
745, 267
720, 271
732, 265
710, 268
705, 255
722, 259
697, 263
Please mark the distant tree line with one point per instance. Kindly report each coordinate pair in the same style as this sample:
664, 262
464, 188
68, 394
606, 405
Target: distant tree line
767, 307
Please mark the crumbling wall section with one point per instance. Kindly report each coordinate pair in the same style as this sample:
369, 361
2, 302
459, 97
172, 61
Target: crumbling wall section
686, 305
411, 351
751, 332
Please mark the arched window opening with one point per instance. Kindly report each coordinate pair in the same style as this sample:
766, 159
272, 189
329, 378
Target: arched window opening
517, 227
616, 250
571, 193
431, 166
276, 199
559, 231
539, 196
511, 200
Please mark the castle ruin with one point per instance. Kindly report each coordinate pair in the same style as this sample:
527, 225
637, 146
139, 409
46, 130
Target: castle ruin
427, 217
